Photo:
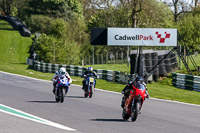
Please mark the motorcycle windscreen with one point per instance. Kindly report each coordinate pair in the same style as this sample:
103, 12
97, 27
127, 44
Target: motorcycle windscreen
140, 86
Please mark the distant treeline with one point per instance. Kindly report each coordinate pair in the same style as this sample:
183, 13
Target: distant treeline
63, 26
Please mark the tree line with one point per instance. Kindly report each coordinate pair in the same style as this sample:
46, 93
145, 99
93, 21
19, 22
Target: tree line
64, 26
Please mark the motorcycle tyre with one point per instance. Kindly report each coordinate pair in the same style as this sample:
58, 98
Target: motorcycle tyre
85, 94
62, 92
134, 113
125, 116
90, 93
57, 97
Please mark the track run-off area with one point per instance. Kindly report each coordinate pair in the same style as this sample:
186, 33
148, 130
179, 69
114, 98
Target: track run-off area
27, 105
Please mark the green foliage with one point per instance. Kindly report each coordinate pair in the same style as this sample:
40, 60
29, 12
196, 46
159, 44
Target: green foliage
54, 50
76, 31
59, 43
75, 6
196, 10
40, 23
13, 62
70, 54
111, 17
189, 32
47, 25
155, 14
58, 28
66, 9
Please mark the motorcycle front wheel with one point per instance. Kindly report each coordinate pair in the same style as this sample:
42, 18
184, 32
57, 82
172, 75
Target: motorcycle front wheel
134, 112
57, 99
86, 94
125, 116
62, 92
90, 93
57, 96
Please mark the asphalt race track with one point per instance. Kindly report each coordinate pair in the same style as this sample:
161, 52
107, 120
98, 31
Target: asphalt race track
99, 114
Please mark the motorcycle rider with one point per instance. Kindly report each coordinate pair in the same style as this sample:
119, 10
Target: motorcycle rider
138, 83
62, 71
87, 73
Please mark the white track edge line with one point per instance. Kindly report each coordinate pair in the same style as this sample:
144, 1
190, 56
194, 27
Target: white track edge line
46, 122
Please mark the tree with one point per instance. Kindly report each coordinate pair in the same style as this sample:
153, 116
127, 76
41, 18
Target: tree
66, 9
195, 2
47, 25
6, 6
180, 7
111, 17
189, 32
54, 50
155, 15
13, 7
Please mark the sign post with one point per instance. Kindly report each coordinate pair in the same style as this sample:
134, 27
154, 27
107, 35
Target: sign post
141, 37
134, 37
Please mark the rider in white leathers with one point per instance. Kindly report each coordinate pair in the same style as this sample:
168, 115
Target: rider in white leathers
62, 71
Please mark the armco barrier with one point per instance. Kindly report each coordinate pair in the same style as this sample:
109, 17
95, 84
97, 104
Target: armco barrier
184, 81
109, 75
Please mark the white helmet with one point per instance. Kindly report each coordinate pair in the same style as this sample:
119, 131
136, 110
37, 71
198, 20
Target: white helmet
62, 71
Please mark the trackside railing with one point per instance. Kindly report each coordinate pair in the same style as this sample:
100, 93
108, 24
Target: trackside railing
109, 75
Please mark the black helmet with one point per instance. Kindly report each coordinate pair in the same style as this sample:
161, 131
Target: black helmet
139, 78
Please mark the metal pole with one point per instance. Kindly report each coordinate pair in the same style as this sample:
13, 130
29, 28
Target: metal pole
128, 52
93, 56
180, 66
136, 62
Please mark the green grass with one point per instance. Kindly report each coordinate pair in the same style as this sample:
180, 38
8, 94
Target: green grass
164, 90
14, 50
114, 67
13, 47
197, 61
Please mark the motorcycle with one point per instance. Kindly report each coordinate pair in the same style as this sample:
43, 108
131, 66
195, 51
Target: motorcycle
133, 103
61, 89
89, 87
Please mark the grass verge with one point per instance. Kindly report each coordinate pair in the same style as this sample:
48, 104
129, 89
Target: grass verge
14, 50
162, 89
114, 67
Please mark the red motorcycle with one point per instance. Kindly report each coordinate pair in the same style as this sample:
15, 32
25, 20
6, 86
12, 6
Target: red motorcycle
133, 102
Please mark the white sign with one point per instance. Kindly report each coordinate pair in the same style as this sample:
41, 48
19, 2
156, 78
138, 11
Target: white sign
142, 37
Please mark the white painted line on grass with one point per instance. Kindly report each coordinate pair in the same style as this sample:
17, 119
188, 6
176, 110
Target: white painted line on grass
21, 114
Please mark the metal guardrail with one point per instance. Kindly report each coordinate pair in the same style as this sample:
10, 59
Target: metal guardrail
188, 82
109, 75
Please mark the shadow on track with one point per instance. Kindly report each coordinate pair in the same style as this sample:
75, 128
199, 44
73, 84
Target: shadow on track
110, 120
42, 101
75, 96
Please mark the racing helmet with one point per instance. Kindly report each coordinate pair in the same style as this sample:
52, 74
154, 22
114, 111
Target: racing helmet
62, 71
90, 69
139, 79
